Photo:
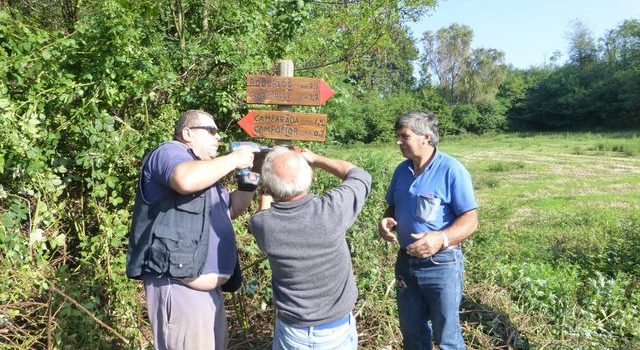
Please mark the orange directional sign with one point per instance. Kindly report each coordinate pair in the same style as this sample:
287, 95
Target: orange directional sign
284, 125
267, 89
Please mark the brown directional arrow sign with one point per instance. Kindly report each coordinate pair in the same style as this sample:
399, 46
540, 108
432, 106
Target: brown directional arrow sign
267, 89
284, 125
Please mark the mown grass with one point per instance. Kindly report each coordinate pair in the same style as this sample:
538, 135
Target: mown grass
555, 263
557, 250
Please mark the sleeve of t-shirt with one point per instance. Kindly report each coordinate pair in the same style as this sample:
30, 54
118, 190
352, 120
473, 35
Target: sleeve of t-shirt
159, 168
462, 197
226, 196
164, 160
256, 227
345, 201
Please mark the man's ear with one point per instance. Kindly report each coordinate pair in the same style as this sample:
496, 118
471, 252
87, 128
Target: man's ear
186, 134
265, 189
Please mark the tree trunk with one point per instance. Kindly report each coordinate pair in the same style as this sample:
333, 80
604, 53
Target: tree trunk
177, 11
69, 14
205, 16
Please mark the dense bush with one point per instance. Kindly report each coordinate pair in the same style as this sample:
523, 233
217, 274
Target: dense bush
78, 112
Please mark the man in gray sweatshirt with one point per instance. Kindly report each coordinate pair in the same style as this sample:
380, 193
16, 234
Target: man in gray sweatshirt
303, 235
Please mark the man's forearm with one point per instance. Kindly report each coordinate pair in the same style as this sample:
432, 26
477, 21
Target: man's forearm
337, 167
265, 202
462, 227
196, 175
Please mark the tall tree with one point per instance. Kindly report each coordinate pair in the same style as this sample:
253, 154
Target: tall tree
595, 89
366, 41
485, 71
387, 70
446, 51
621, 46
582, 45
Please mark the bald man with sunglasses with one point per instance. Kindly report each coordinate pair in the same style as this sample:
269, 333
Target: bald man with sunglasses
182, 243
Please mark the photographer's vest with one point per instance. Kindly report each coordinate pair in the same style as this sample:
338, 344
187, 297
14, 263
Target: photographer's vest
171, 237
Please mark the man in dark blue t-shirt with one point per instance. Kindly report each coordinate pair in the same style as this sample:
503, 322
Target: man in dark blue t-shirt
188, 313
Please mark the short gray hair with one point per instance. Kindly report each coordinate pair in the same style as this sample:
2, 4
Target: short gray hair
188, 119
422, 124
291, 175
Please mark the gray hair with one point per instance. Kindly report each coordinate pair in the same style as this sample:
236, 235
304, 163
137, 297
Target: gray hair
188, 119
286, 173
422, 124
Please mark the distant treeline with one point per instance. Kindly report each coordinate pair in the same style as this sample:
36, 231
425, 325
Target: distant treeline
597, 89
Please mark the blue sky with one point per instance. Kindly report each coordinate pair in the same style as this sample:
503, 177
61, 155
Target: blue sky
527, 31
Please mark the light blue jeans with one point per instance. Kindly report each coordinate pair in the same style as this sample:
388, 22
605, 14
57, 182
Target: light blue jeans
429, 293
343, 337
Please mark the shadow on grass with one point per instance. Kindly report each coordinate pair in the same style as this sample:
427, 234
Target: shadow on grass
486, 328
250, 342
483, 328
249, 332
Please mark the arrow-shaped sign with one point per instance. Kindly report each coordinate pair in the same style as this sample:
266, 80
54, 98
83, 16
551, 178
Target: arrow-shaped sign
267, 89
285, 125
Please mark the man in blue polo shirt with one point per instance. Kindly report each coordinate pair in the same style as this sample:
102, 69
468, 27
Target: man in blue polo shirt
432, 207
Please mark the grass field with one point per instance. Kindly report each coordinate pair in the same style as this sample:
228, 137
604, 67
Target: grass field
555, 263
556, 258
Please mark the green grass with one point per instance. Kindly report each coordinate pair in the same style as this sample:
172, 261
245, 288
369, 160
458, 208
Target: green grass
557, 241
555, 263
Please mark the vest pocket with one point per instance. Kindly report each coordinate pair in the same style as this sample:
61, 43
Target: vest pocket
168, 254
181, 263
157, 258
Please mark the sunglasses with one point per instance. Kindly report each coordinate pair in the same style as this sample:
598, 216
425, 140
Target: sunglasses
211, 129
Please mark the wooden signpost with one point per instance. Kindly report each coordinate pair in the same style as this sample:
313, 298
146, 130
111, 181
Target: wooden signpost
277, 90
284, 124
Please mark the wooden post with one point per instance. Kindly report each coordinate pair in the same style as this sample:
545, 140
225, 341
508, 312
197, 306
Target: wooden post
285, 69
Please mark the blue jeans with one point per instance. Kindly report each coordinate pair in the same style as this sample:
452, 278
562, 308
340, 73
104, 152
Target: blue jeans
343, 337
429, 292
